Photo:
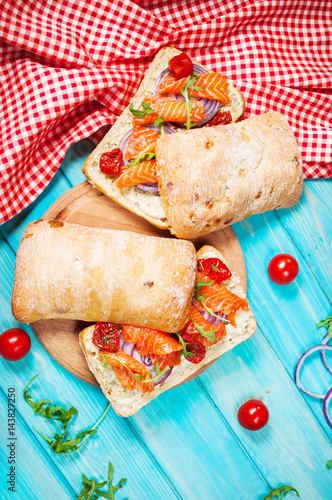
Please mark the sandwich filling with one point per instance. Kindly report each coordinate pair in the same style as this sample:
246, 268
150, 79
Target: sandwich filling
143, 358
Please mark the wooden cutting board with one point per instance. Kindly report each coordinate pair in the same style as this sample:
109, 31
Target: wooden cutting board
87, 206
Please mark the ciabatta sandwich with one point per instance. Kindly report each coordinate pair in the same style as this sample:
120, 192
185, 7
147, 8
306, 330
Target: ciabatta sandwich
132, 135
134, 365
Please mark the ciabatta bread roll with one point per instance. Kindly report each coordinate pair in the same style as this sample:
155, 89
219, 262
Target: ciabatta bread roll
212, 177
69, 271
145, 204
127, 402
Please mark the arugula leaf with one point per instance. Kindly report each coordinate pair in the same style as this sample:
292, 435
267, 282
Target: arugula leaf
191, 79
59, 444
210, 334
278, 491
140, 158
328, 323
139, 376
184, 347
91, 487
329, 464
201, 298
148, 111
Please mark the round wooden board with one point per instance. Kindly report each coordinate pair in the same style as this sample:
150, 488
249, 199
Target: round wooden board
87, 206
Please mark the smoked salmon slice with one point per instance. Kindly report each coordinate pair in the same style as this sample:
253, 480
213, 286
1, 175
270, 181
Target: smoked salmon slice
124, 376
142, 140
214, 84
140, 173
189, 328
171, 110
149, 341
171, 359
220, 299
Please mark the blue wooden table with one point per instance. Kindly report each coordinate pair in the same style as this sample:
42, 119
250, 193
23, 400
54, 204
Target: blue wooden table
188, 444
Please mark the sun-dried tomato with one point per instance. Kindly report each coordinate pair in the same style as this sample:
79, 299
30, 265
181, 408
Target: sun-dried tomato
110, 163
214, 268
222, 118
181, 66
107, 336
194, 346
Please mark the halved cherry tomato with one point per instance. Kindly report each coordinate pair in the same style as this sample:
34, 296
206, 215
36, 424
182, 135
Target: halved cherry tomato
283, 269
214, 268
253, 415
222, 118
110, 163
14, 344
107, 336
194, 346
181, 66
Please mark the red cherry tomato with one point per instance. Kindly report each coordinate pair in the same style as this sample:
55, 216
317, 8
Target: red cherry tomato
283, 269
253, 415
14, 344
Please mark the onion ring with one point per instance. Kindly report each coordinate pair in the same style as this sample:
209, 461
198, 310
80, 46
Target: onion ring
299, 366
323, 355
326, 403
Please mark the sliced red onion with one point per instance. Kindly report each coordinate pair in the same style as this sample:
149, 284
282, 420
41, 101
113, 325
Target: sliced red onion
323, 355
299, 366
214, 320
211, 107
163, 377
149, 187
326, 403
123, 144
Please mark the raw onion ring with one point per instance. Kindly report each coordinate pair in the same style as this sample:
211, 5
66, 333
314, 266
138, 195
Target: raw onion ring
323, 355
299, 366
326, 403
214, 320
149, 187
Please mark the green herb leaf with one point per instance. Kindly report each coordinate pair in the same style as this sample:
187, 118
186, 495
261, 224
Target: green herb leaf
184, 344
91, 489
329, 464
148, 111
191, 79
328, 323
59, 444
278, 491
141, 157
201, 298
210, 334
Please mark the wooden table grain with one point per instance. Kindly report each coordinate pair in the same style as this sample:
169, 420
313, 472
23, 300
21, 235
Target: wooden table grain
187, 444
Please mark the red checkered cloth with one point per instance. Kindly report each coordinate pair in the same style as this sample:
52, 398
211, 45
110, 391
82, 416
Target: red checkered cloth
69, 67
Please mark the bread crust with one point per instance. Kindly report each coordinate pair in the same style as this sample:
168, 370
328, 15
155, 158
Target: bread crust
212, 177
65, 270
126, 402
146, 205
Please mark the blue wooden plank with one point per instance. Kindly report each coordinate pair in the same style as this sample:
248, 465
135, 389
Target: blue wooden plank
115, 440
34, 470
287, 315
309, 225
73, 162
291, 449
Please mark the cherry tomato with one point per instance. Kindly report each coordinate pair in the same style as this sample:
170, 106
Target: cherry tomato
283, 269
181, 66
253, 415
110, 163
214, 268
106, 336
223, 118
195, 347
14, 344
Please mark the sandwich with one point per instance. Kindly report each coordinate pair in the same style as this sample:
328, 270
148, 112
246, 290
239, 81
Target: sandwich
133, 365
123, 165
204, 172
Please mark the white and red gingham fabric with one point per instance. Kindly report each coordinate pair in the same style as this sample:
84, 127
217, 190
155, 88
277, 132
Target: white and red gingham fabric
69, 67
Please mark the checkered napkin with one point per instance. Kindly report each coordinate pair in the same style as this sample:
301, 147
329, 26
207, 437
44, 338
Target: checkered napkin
69, 67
